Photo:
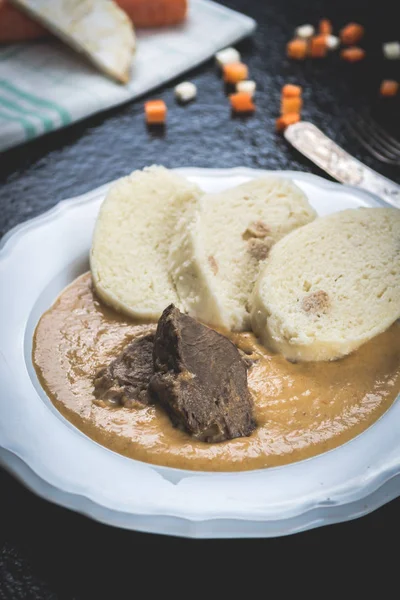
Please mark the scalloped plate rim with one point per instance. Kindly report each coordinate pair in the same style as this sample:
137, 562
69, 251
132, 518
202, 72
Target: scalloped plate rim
190, 526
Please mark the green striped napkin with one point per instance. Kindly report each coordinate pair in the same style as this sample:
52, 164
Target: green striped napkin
45, 86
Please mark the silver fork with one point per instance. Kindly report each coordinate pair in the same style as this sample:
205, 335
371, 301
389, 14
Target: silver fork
323, 151
376, 140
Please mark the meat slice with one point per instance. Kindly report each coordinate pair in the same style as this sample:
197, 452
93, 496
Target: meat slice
200, 379
125, 380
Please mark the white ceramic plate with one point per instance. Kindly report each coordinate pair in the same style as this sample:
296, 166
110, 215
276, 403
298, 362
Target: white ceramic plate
37, 260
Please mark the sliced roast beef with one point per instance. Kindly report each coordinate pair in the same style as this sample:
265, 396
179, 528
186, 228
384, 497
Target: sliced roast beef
200, 379
126, 379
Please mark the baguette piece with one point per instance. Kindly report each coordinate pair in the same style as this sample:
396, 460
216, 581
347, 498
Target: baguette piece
330, 286
131, 240
222, 240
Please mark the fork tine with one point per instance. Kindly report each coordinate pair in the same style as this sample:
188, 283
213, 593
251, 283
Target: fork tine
384, 134
376, 139
359, 134
373, 151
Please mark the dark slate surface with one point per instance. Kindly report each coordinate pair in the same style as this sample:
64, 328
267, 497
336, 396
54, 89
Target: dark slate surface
50, 553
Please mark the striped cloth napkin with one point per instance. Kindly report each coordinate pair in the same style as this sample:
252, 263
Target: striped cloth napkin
45, 86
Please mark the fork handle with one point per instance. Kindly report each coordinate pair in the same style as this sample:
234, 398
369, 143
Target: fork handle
314, 144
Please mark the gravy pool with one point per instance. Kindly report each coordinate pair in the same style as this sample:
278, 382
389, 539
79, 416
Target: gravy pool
301, 409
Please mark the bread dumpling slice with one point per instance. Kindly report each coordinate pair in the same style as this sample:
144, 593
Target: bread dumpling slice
331, 286
98, 29
222, 240
131, 241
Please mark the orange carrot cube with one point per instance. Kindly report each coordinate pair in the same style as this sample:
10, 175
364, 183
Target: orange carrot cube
291, 91
318, 46
155, 111
353, 54
351, 34
325, 27
297, 49
287, 120
242, 102
234, 72
389, 87
291, 105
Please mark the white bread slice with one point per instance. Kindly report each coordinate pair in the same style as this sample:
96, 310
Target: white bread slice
330, 286
221, 241
131, 241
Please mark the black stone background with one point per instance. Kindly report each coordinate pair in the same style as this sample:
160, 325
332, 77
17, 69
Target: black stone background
47, 552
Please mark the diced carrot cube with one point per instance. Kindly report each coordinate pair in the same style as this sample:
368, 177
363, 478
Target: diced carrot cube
318, 46
291, 105
297, 49
389, 87
287, 120
351, 34
242, 102
353, 54
155, 111
291, 91
234, 72
325, 27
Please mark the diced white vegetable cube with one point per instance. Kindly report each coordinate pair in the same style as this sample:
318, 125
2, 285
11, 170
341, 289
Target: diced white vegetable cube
227, 56
332, 42
185, 91
391, 50
305, 31
248, 86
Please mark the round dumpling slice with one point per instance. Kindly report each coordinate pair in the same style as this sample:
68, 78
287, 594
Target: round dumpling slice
222, 240
132, 238
330, 286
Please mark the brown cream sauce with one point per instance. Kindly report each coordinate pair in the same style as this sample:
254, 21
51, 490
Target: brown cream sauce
301, 409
